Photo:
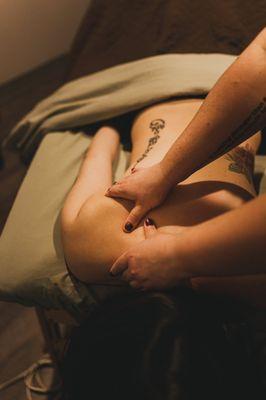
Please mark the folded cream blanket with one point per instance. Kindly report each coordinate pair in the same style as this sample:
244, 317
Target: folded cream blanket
115, 91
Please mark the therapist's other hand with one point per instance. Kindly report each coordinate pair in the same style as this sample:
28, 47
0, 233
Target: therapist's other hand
148, 187
152, 263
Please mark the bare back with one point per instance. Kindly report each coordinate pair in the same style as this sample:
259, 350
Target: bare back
97, 238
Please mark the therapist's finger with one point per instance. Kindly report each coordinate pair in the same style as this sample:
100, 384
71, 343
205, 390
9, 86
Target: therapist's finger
134, 217
119, 265
149, 228
126, 275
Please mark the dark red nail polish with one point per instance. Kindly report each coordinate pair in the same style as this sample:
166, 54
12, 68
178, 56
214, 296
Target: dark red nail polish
149, 221
128, 227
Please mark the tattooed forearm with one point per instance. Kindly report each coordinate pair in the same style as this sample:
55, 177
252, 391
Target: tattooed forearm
156, 126
244, 131
242, 161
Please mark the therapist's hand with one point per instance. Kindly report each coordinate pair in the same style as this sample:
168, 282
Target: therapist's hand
152, 263
148, 187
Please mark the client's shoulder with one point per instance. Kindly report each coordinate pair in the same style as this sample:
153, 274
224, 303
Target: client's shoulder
96, 207
95, 238
100, 208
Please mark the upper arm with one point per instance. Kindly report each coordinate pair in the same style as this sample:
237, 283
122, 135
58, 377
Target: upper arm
93, 241
88, 183
94, 177
77, 225
79, 194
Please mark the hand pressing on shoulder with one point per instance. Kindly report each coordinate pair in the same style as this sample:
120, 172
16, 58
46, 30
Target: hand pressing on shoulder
148, 187
152, 263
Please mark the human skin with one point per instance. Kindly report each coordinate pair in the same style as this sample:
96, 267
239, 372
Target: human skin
208, 267
233, 111
91, 223
204, 139
212, 248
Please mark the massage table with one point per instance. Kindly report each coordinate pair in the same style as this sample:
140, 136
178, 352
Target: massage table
32, 270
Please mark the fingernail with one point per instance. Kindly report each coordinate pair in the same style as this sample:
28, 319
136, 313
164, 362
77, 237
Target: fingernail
128, 227
149, 221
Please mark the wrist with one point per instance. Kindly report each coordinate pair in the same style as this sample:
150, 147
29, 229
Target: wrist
172, 172
168, 173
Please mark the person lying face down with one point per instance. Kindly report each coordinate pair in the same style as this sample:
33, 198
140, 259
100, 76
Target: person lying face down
92, 223
153, 345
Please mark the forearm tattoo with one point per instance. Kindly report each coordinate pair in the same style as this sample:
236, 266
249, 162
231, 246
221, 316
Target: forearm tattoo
244, 131
242, 161
156, 126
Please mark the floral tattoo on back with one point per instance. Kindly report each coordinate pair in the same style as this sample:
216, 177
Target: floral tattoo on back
156, 126
242, 161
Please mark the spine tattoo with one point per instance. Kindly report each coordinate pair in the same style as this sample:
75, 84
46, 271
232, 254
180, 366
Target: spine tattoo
244, 131
156, 126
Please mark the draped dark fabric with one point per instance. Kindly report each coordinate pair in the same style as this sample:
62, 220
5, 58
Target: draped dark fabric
118, 31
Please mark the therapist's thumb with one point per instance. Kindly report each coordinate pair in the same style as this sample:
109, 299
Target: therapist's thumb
134, 217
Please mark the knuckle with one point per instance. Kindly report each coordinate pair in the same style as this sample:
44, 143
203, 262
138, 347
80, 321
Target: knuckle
131, 259
113, 190
137, 210
135, 215
118, 187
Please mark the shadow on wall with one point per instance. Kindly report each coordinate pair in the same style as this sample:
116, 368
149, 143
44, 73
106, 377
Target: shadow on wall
123, 30
35, 32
